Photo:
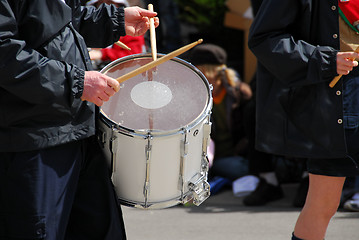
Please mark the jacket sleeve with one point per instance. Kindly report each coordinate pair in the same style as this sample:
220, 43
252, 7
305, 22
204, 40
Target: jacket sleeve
101, 26
277, 42
29, 75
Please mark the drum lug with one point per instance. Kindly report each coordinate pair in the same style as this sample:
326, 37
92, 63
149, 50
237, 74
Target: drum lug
113, 148
148, 150
205, 165
184, 153
101, 137
206, 135
185, 143
200, 189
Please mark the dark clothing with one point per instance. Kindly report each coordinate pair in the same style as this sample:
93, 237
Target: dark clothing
298, 114
348, 166
259, 162
168, 33
351, 99
340, 167
42, 82
76, 180
255, 6
54, 180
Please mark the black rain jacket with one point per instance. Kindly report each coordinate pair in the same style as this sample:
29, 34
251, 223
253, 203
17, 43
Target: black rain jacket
43, 58
298, 114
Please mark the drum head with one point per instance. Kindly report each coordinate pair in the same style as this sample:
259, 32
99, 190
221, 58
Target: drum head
172, 95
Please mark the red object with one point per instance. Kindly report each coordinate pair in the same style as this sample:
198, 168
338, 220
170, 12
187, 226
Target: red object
350, 10
137, 45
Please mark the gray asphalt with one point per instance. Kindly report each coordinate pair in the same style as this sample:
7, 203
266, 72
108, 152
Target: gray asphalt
224, 217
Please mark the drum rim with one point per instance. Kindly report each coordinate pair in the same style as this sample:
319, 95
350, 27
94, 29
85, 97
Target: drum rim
145, 132
154, 205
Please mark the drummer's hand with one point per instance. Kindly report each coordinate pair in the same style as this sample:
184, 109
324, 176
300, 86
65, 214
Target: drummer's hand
137, 20
95, 54
346, 61
246, 91
98, 87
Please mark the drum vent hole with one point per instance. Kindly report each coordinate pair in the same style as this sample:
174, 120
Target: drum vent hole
195, 133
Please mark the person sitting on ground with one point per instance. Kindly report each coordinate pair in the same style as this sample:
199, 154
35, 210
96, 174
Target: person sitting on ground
229, 94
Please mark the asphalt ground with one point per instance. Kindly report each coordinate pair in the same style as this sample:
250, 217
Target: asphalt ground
224, 217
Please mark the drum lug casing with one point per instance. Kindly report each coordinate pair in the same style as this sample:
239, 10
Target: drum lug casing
113, 149
107, 143
148, 150
101, 137
184, 153
206, 136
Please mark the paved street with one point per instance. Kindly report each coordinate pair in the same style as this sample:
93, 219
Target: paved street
224, 217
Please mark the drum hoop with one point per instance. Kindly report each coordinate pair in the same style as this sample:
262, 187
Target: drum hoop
143, 133
153, 205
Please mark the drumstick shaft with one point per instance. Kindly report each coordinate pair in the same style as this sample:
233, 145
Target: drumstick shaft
154, 56
337, 78
159, 61
152, 35
121, 44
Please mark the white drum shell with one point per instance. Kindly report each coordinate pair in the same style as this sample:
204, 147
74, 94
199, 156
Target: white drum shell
166, 186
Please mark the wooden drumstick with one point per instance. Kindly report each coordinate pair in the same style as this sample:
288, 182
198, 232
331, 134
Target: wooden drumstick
121, 44
154, 56
152, 35
337, 78
159, 61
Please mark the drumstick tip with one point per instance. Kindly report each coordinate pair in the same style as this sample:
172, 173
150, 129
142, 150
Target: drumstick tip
122, 45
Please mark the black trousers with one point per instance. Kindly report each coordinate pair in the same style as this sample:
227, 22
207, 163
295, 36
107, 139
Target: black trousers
259, 162
64, 192
340, 167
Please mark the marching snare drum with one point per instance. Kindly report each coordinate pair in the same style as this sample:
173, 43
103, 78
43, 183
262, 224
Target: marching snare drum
155, 131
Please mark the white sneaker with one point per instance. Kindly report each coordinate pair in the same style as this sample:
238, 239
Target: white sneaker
245, 185
352, 205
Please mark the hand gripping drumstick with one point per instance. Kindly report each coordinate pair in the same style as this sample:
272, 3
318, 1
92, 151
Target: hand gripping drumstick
336, 79
153, 35
159, 61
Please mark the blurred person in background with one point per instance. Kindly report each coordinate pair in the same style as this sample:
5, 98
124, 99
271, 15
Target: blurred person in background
103, 56
229, 95
351, 203
168, 34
